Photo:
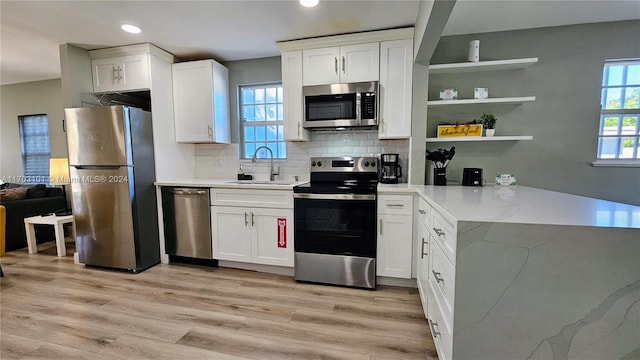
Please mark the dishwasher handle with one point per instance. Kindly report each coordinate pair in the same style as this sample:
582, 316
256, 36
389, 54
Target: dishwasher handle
182, 191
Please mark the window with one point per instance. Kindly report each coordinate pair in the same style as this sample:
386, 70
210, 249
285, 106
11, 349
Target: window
261, 121
36, 151
619, 132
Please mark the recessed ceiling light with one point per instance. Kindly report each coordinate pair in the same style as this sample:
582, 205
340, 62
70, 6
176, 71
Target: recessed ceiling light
309, 3
131, 29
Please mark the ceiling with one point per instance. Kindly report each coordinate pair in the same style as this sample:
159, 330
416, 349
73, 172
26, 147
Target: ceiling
31, 31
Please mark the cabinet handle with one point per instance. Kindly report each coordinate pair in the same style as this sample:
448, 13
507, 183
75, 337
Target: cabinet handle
210, 132
432, 325
437, 276
252, 220
380, 226
422, 212
119, 73
246, 222
115, 74
343, 65
335, 64
422, 253
401, 206
439, 232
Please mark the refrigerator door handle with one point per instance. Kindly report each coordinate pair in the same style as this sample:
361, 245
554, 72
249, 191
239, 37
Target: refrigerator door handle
97, 167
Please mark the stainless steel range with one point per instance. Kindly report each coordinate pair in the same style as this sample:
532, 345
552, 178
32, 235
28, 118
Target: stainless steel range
335, 222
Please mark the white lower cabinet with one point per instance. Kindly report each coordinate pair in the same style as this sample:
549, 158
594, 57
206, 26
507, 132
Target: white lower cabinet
436, 241
261, 233
255, 235
441, 332
231, 234
422, 259
272, 236
395, 238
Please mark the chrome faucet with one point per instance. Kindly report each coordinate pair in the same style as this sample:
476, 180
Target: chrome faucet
272, 172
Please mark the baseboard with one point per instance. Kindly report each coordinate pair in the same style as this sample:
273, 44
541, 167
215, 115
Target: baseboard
271, 269
408, 283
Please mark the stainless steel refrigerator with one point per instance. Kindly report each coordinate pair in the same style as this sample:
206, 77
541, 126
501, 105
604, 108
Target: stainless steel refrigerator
112, 171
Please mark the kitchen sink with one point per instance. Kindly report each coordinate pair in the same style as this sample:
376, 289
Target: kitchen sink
262, 182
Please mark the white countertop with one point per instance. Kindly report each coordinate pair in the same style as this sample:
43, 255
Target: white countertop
277, 185
521, 204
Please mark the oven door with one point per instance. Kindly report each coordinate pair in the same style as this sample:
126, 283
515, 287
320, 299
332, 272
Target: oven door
335, 224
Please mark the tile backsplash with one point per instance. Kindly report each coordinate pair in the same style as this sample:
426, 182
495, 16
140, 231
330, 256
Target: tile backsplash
219, 161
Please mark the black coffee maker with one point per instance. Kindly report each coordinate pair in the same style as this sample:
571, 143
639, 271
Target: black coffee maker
390, 170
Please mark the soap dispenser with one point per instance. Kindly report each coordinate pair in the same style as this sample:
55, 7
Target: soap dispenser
242, 176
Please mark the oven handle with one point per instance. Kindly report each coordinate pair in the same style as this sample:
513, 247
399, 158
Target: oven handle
335, 196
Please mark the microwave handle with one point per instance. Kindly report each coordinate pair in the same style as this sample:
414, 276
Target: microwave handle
358, 105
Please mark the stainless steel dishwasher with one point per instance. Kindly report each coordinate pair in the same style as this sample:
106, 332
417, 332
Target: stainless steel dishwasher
187, 222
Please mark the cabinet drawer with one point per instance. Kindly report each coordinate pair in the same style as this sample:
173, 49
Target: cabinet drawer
280, 199
444, 233
424, 212
395, 204
442, 280
441, 332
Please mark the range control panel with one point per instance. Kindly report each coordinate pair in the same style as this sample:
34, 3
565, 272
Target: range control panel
344, 164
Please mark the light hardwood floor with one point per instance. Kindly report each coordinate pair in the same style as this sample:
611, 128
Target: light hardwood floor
53, 309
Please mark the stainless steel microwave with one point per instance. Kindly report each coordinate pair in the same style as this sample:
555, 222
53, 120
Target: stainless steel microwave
341, 105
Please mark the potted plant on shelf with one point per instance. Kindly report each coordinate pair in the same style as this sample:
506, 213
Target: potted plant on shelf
489, 123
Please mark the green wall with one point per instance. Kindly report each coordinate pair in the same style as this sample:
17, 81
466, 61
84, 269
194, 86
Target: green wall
37, 97
564, 118
247, 72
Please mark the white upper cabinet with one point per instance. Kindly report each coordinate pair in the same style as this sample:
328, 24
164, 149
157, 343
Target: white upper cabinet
396, 74
125, 68
360, 62
292, 92
320, 66
341, 64
201, 102
124, 73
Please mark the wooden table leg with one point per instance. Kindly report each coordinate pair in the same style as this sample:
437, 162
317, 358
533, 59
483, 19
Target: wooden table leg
31, 237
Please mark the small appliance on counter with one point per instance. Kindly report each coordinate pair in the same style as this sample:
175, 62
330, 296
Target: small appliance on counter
390, 169
472, 177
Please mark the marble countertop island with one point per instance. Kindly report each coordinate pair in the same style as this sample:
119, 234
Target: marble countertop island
533, 274
521, 204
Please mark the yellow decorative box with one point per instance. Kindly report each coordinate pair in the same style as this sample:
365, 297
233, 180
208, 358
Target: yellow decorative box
470, 130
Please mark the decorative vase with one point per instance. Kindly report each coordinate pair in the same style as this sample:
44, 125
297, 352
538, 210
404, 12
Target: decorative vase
490, 132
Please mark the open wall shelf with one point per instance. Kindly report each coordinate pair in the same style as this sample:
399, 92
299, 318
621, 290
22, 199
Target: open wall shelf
509, 100
481, 66
480, 138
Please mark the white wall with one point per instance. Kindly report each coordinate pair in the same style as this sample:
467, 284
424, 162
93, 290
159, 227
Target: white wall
221, 161
37, 97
